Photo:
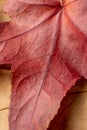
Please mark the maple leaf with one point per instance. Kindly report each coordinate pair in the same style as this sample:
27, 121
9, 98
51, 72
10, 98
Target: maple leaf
45, 44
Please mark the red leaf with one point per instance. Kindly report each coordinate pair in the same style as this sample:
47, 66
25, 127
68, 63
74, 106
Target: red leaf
46, 45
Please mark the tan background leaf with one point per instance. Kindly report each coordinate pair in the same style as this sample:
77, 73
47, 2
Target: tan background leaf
3, 16
5, 92
72, 114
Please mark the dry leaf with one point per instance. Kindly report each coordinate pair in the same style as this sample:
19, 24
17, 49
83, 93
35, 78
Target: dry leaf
46, 45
